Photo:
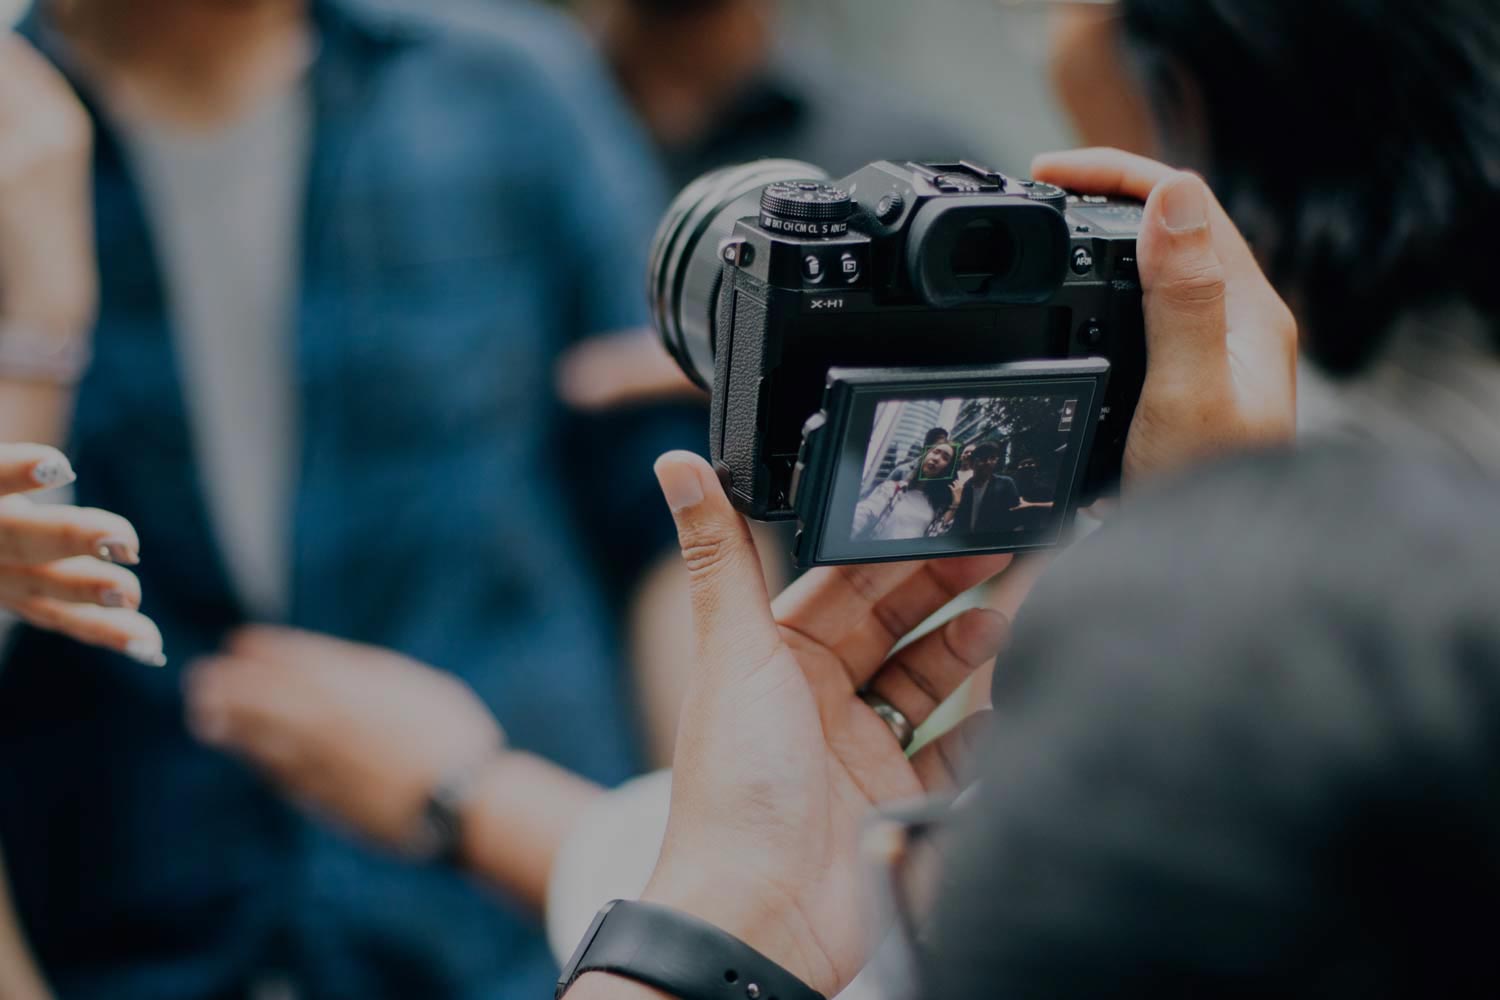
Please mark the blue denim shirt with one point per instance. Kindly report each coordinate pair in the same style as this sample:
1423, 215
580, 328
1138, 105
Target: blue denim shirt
477, 199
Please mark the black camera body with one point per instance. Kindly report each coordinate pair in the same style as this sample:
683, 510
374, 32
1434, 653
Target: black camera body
792, 299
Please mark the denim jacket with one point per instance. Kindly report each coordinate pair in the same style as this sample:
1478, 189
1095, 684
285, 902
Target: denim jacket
477, 199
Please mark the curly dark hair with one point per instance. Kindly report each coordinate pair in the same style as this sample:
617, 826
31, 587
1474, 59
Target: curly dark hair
1355, 142
1208, 787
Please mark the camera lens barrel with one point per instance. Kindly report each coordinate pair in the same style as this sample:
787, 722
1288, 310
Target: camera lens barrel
685, 271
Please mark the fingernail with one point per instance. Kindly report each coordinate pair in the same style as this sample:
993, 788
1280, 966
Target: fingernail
116, 551
114, 599
143, 651
984, 630
1183, 206
54, 471
679, 483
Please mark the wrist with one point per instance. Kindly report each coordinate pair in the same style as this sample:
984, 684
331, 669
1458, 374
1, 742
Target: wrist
439, 828
39, 350
519, 813
761, 916
602, 985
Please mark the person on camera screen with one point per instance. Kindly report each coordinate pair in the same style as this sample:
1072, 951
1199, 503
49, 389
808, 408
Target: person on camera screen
988, 499
909, 505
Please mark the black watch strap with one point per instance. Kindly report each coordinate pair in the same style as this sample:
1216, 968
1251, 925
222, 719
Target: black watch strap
679, 955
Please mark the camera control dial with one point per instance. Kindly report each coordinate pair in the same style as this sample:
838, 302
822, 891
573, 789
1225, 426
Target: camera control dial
1047, 194
805, 208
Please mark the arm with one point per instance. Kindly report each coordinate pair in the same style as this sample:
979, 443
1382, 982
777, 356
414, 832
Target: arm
48, 283
363, 736
870, 508
20, 979
515, 820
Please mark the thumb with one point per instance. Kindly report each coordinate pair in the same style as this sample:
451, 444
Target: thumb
1183, 280
731, 610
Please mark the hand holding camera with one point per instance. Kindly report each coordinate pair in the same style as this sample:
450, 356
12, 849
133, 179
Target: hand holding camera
780, 760
1221, 343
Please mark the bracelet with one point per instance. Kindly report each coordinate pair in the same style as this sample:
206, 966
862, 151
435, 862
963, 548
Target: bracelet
439, 832
28, 354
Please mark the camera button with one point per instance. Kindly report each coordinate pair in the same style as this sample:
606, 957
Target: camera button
813, 269
849, 268
1083, 260
888, 209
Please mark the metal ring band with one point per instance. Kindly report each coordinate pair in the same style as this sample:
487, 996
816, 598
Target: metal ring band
901, 726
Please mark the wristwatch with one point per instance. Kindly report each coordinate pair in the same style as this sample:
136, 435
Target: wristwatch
679, 955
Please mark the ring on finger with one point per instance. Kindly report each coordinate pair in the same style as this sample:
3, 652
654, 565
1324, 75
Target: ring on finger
899, 724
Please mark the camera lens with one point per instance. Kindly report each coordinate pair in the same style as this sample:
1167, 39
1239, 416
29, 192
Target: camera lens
983, 252
685, 272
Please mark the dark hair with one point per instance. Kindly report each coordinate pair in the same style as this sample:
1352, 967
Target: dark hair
934, 436
677, 8
939, 492
989, 446
1247, 745
1355, 142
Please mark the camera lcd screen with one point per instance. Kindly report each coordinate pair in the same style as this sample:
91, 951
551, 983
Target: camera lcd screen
943, 470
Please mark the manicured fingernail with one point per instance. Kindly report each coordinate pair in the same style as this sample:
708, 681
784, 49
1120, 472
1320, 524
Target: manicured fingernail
54, 471
143, 651
679, 483
1183, 206
114, 599
116, 551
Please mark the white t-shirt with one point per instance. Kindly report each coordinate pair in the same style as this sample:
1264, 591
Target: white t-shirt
225, 207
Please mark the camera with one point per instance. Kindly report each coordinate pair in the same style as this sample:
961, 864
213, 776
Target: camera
917, 360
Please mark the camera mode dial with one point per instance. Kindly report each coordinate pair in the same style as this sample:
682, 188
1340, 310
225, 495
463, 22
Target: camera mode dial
1047, 194
805, 208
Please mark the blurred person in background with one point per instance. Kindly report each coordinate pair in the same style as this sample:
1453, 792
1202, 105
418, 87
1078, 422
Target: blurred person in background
720, 82
61, 568
1368, 195
340, 244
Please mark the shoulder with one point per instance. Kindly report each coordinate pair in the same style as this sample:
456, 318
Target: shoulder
520, 28
506, 90
523, 45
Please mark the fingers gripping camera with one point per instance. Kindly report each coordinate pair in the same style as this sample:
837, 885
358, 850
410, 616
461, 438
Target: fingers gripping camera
858, 337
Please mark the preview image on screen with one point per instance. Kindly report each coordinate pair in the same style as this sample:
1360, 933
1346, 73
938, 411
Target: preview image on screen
984, 469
